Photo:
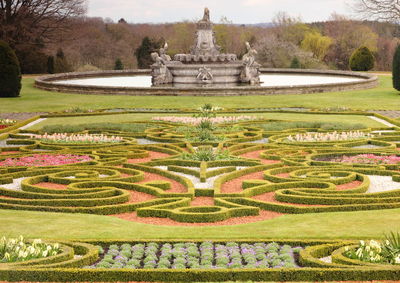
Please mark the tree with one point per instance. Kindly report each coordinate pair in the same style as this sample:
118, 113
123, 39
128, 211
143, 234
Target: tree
61, 64
33, 21
295, 64
27, 25
118, 65
10, 78
362, 59
143, 52
317, 44
381, 10
348, 35
396, 69
32, 60
50, 65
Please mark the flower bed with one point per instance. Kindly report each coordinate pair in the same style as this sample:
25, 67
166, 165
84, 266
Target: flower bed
205, 255
368, 159
328, 137
77, 138
4, 123
197, 120
15, 250
37, 160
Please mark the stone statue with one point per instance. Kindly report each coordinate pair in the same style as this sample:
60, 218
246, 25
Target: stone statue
159, 70
205, 75
163, 53
206, 16
251, 69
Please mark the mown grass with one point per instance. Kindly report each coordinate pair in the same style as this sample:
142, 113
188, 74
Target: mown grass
343, 225
35, 100
126, 118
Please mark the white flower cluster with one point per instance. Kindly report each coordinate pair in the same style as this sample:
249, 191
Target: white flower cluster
13, 250
328, 137
77, 138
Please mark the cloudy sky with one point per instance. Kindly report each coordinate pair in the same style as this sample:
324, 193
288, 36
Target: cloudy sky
238, 11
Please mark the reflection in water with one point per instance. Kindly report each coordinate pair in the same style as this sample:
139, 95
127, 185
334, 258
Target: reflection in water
268, 80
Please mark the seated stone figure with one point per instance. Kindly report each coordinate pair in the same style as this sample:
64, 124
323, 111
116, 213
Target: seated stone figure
251, 69
160, 73
163, 53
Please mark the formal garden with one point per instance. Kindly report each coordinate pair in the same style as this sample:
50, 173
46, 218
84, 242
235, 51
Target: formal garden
266, 153
204, 194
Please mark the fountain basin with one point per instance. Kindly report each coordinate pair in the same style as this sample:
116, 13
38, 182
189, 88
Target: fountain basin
222, 73
275, 81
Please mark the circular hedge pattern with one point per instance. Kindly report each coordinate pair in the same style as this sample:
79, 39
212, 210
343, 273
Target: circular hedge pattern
145, 175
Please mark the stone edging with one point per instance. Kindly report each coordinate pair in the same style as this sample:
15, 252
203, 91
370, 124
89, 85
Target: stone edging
46, 83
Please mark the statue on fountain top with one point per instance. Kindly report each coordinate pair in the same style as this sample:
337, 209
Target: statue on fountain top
206, 16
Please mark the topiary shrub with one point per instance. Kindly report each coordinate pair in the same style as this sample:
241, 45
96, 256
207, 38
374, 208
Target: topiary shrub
118, 64
10, 72
50, 64
295, 64
61, 64
396, 69
362, 59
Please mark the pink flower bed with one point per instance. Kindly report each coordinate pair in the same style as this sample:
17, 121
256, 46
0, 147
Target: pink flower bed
368, 159
197, 120
37, 160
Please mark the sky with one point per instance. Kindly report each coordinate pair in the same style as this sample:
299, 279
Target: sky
237, 11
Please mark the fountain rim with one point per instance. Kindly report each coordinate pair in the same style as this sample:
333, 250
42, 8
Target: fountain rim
48, 83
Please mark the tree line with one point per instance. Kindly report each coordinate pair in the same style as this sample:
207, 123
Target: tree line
56, 36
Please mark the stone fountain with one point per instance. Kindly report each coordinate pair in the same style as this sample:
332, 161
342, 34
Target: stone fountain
205, 64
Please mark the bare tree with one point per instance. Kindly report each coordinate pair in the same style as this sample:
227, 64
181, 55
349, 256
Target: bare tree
381, 10
36, 21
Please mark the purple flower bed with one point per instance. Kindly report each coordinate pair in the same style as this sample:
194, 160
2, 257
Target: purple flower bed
205, 255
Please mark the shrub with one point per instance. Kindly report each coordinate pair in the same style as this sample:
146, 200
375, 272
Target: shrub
50, 65
396, 69
208, 154
61, 64
32, 60
362, 59
10, 79
143, 52
118, 65
295, 64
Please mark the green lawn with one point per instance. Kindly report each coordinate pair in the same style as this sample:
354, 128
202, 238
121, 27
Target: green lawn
120, 118
345, 225
35, 100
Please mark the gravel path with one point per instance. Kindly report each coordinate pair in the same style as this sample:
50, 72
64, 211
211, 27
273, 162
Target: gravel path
327, 259
33, 123
15, 185
209, 184
382, 184
367, 146
386, 123
21, 116
387, 113
264, 140
146, 141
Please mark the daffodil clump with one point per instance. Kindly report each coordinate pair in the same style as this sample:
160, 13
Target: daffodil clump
386, 252
18, 249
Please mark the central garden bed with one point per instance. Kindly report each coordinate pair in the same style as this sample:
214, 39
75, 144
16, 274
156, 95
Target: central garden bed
206, 170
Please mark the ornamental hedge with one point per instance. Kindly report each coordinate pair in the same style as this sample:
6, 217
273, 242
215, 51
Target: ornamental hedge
10, 78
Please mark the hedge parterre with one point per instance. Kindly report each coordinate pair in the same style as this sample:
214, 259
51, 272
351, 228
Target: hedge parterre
249, 173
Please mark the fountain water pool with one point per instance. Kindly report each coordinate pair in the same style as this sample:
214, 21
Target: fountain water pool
273, 81
267, 80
